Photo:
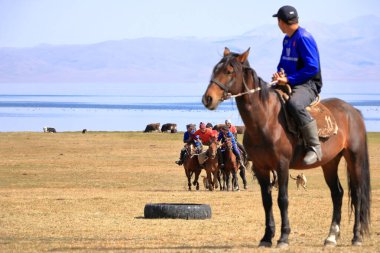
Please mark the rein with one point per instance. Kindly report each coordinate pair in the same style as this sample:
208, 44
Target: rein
251, 91
227, 86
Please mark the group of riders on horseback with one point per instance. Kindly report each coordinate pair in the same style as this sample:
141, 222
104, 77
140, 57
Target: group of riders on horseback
203, 136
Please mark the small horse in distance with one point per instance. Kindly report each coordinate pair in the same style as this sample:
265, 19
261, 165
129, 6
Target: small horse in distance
271, 146
211, 165
230, 167
191, 166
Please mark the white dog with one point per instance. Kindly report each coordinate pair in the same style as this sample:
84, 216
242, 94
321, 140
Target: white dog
300, 180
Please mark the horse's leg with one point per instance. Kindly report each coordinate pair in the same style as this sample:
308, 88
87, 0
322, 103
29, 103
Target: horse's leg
215, 178
227, 180
209, 179
283, 203
266, 194
359, 189
197, 173
330, 171
235, 181
224, 180
188, 175
219, 180
242, 175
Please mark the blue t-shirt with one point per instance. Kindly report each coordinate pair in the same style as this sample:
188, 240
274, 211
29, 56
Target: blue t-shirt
187, 135
300, 58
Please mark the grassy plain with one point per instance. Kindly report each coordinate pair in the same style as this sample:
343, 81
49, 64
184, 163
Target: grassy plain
73, 192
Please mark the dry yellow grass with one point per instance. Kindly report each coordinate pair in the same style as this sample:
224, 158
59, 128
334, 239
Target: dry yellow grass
73, 192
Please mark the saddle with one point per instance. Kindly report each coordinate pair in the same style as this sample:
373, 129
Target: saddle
202, 157
326, 122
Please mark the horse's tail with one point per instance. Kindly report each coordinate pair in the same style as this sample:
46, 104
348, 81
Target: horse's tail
359, 192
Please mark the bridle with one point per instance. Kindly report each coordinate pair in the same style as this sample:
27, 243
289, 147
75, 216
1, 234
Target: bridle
212, 155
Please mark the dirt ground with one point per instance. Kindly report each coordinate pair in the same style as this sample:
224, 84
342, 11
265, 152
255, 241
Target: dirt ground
74, 192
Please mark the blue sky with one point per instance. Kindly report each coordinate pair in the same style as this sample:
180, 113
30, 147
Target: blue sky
33, 22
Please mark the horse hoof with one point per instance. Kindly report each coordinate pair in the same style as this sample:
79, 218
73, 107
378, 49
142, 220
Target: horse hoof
245, 187
356, 243
330, 244
282, 245
264, 244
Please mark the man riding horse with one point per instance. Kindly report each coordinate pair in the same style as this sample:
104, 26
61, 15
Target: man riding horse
300, 60
225, 134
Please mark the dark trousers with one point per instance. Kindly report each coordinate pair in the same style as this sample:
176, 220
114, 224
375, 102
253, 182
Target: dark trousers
302, 96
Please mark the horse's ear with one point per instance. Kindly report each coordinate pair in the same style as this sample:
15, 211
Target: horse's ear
226, 51
244, 56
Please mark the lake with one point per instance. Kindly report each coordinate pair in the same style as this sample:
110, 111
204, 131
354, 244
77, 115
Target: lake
121, 107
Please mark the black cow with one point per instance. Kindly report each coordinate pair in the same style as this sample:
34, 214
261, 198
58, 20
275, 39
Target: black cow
169, 127
49, 130
154, 127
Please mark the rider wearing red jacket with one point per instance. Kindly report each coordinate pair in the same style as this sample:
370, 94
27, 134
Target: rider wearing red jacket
204, 133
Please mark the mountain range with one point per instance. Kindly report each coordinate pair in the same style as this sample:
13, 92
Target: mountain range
349, 51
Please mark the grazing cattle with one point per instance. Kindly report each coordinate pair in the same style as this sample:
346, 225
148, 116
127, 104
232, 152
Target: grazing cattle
169, 127
154, 127
84, 131
240, 129
49, 130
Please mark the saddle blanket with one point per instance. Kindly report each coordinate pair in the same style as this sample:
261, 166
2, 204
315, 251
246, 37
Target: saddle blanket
202, 157
325, 120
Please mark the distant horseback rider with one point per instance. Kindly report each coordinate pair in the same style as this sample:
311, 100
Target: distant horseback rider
300, 60
225, 134
187, 139
233, 130
231, 127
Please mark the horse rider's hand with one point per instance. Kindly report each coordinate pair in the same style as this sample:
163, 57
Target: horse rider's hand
280, 78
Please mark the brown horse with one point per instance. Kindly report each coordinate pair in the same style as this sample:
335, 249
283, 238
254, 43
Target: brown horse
230, 166
212, 166
270, 146
191, 166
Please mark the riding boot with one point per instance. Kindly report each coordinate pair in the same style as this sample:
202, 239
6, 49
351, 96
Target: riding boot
180, 161
313, 146
242, 150
239, 160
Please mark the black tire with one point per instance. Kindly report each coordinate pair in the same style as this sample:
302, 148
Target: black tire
177, 211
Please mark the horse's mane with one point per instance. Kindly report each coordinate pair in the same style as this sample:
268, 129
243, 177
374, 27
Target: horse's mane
258, 82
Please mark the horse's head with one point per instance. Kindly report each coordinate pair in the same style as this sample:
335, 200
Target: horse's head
213, 148
229, 143
226, 79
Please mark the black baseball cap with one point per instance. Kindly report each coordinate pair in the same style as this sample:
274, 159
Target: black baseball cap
286, 13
